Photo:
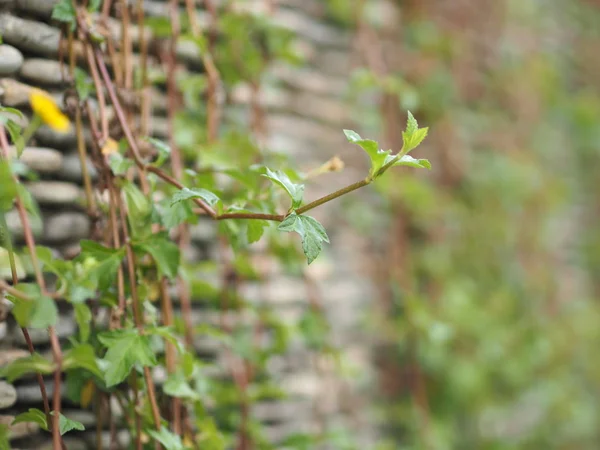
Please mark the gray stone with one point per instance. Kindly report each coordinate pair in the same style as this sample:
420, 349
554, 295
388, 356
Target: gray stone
13, 93
11, 59
29, 35
71, 169
16, 227
52, 138
203, 231
65, 226
43, 72
55, 192
41, 8
5, 270
309, 80
8, 395
8, 356
308, 28
71, 443
41, 159
19, 430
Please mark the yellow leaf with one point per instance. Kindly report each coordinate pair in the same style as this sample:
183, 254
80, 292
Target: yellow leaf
87, 393
110, 146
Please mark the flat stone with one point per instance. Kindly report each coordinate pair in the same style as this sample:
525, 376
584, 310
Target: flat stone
309, 80
16, 228
71, 169
55, 192
11, 60
43, 71
41, 8
52, 138
29, 35
8, 395
66, 226
19, 430
41, 159
203, 231
5, 270
307, 27
13, 93
8, 356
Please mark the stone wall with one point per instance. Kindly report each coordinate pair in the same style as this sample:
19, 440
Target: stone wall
305, 116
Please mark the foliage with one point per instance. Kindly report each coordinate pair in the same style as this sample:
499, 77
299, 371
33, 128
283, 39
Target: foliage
490, 316
136, 259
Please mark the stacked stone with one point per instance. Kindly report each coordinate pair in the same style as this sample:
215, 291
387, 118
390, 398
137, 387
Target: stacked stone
305, 116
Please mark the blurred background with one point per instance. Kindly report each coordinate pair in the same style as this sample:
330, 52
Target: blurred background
488, 322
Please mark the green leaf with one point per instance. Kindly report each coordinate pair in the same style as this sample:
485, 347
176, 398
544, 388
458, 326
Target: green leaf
172, 216
101, 264
8, 187
408, 160
32, 415
94, 5
65, 424
125, 349
82, 356
176, 386
186, 194
256, 229
310, 230
83, 317
295, 191
9, 110
377, 156
39, 311
23, 366
64, 11
83, 84
164, 251
164, 151
14, 130
169, 440
119, 165
413, 135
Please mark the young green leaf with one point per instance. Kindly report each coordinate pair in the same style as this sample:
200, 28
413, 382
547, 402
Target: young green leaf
310, 230
186, 194
8, 187
169, 440
65, 424
100, 263
409, 161
295, 191
164, 251
83, 317
413, 135
26, 365
125, 349
32, 415
377, 156
64, 11
83, 84
164, 151
39, 311
82, 356
119, 165
176, 386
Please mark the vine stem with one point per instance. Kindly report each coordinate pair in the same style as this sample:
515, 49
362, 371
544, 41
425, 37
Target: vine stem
333, 195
